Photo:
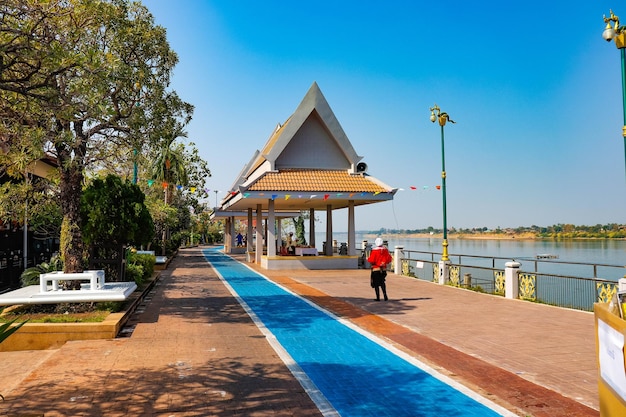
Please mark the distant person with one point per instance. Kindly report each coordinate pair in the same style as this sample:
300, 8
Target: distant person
239, 240
291, 244
379, 259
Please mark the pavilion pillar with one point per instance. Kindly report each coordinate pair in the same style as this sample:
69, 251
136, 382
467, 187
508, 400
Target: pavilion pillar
249, 238
351, 229
258, 251
231, 233
329, 231
271, 229
312, 227
227, 238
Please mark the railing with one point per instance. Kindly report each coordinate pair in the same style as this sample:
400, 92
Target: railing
539, 283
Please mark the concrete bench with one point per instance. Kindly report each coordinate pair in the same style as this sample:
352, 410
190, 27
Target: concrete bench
95, 278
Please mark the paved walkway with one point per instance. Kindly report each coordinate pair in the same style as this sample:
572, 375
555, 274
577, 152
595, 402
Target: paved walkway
194, 351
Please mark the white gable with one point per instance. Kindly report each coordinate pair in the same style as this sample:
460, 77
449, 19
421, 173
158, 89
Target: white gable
313, 147
313, 117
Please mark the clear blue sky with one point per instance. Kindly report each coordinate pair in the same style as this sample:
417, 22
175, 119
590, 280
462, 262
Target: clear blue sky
533, 87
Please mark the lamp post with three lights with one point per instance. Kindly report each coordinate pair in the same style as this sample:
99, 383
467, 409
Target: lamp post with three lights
437, 115
617, 33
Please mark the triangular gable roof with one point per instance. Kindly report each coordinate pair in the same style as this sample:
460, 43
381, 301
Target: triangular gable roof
309, 153
312, 126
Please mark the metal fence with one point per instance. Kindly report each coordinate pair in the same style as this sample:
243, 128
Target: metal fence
539, 279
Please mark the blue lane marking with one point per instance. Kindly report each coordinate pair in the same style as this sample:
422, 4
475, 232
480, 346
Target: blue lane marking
358, 376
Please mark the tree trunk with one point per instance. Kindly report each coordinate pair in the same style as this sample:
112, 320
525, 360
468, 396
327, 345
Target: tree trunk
71, 235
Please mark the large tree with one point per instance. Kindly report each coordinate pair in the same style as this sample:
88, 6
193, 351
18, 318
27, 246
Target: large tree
87, 81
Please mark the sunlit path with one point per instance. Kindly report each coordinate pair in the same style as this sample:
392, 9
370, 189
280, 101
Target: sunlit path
357, 375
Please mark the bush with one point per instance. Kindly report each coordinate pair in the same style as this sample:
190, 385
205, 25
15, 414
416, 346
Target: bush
135, 273
139, 267
30, 276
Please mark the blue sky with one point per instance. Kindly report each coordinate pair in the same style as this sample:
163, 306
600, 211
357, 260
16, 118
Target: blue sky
533, 87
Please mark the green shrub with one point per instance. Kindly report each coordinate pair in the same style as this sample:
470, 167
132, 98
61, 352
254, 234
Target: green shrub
30, 276
134, 272
144, 260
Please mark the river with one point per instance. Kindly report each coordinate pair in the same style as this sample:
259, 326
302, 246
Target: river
600, 251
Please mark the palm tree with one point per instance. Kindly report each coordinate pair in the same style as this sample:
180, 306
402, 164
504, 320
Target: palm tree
169, 166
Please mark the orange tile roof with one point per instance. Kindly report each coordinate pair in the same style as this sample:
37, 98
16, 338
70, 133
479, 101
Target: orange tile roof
315, 180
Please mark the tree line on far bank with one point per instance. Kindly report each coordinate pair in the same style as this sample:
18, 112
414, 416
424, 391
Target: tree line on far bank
557, 231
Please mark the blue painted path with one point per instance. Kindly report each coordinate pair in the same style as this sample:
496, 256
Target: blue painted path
358, 376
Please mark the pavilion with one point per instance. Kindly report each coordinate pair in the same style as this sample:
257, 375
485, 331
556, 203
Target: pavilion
307, 164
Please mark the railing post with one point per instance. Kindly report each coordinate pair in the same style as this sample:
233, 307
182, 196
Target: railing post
511, 279
467, 280
444, 272
621, 286
398, 254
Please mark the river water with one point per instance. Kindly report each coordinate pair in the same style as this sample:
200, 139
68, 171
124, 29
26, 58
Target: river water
600, 251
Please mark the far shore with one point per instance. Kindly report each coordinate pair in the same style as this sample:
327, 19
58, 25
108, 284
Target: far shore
475, 236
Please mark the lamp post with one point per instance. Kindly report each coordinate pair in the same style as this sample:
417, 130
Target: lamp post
442, 117
618, 34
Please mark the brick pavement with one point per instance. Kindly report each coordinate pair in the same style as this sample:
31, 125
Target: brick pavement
195, 352
531, 358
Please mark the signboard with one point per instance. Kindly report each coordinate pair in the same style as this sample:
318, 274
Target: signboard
611, 356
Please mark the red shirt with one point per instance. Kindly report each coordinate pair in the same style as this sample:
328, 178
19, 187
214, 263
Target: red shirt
379, 257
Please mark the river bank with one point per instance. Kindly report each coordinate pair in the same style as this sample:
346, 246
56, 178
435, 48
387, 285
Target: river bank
475, 236
484, 236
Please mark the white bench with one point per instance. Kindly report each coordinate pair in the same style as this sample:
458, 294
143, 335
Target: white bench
95, 278
306, 251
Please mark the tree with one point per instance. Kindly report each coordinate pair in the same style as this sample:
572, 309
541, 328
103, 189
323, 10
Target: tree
86, 80
298, 224
169, 165
113, 211
177, 167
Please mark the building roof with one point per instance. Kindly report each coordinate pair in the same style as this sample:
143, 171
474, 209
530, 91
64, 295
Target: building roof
311, 180
307, 162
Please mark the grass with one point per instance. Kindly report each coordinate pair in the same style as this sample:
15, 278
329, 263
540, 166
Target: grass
86, 317
61, 313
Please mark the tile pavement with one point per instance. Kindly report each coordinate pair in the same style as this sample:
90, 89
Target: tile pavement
195, 352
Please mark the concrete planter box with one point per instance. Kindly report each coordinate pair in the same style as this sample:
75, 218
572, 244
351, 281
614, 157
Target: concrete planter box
41, 336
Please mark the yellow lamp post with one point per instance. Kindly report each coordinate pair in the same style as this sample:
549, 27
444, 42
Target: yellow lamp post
617, 33
442, 117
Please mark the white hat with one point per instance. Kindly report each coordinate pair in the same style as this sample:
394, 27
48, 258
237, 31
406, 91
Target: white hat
378, 242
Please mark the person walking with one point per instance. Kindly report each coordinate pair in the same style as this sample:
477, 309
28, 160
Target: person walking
379, 259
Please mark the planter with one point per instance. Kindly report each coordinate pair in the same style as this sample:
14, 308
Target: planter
40, 336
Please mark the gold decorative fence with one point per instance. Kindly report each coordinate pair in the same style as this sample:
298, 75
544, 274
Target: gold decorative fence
487, 275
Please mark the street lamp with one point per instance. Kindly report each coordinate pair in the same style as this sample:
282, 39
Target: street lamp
618, 34
437, 114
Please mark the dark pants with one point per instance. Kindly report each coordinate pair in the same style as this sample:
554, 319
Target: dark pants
378, 282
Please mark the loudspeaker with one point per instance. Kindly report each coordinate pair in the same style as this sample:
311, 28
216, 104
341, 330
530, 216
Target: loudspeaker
361, 167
